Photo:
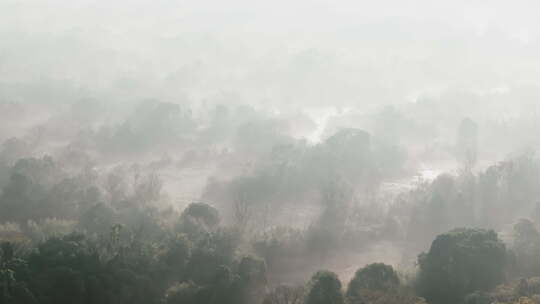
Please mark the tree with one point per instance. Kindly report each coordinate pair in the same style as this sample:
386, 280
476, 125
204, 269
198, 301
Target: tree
70, 270
13, 149
14, 273
183, 293
284, 294
467, 143
324, 288
460, 262
19, 199
526, 247
325, 234
478, 297
252, 273
148, 189
210, 252
59, 267
175, 256
198, 219
97, 219
223, 288
373, 277
349, 153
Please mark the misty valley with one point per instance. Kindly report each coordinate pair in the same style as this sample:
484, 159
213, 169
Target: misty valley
233, 204
269, 152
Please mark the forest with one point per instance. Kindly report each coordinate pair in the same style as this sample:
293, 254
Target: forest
244, 152
97, 219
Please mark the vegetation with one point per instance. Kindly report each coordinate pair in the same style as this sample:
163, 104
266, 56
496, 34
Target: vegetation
461, 262
164, 204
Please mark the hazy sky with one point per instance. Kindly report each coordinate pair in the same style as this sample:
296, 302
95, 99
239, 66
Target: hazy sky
278, 52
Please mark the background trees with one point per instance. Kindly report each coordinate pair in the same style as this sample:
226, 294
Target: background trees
115, 229
284, 294
467, 143
526, 248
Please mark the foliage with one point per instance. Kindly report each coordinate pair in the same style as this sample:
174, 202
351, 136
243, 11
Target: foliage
373, 277
284, 294
460, 262
197, 220
324, 288
526, 248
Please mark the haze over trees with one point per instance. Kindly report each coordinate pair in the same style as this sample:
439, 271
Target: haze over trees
241, 152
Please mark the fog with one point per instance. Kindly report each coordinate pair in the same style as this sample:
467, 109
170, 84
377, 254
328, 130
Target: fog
306, 152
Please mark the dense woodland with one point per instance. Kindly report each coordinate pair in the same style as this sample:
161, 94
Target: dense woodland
87, 216
269, 152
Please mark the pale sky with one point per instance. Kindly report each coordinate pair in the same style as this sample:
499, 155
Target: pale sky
292, 52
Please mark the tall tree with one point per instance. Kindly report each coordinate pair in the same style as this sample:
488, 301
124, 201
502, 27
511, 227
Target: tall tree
460, 262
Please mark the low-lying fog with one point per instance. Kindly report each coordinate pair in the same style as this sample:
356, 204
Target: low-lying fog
310, 134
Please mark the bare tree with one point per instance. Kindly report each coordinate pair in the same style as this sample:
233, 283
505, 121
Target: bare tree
242, 210
284, 294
